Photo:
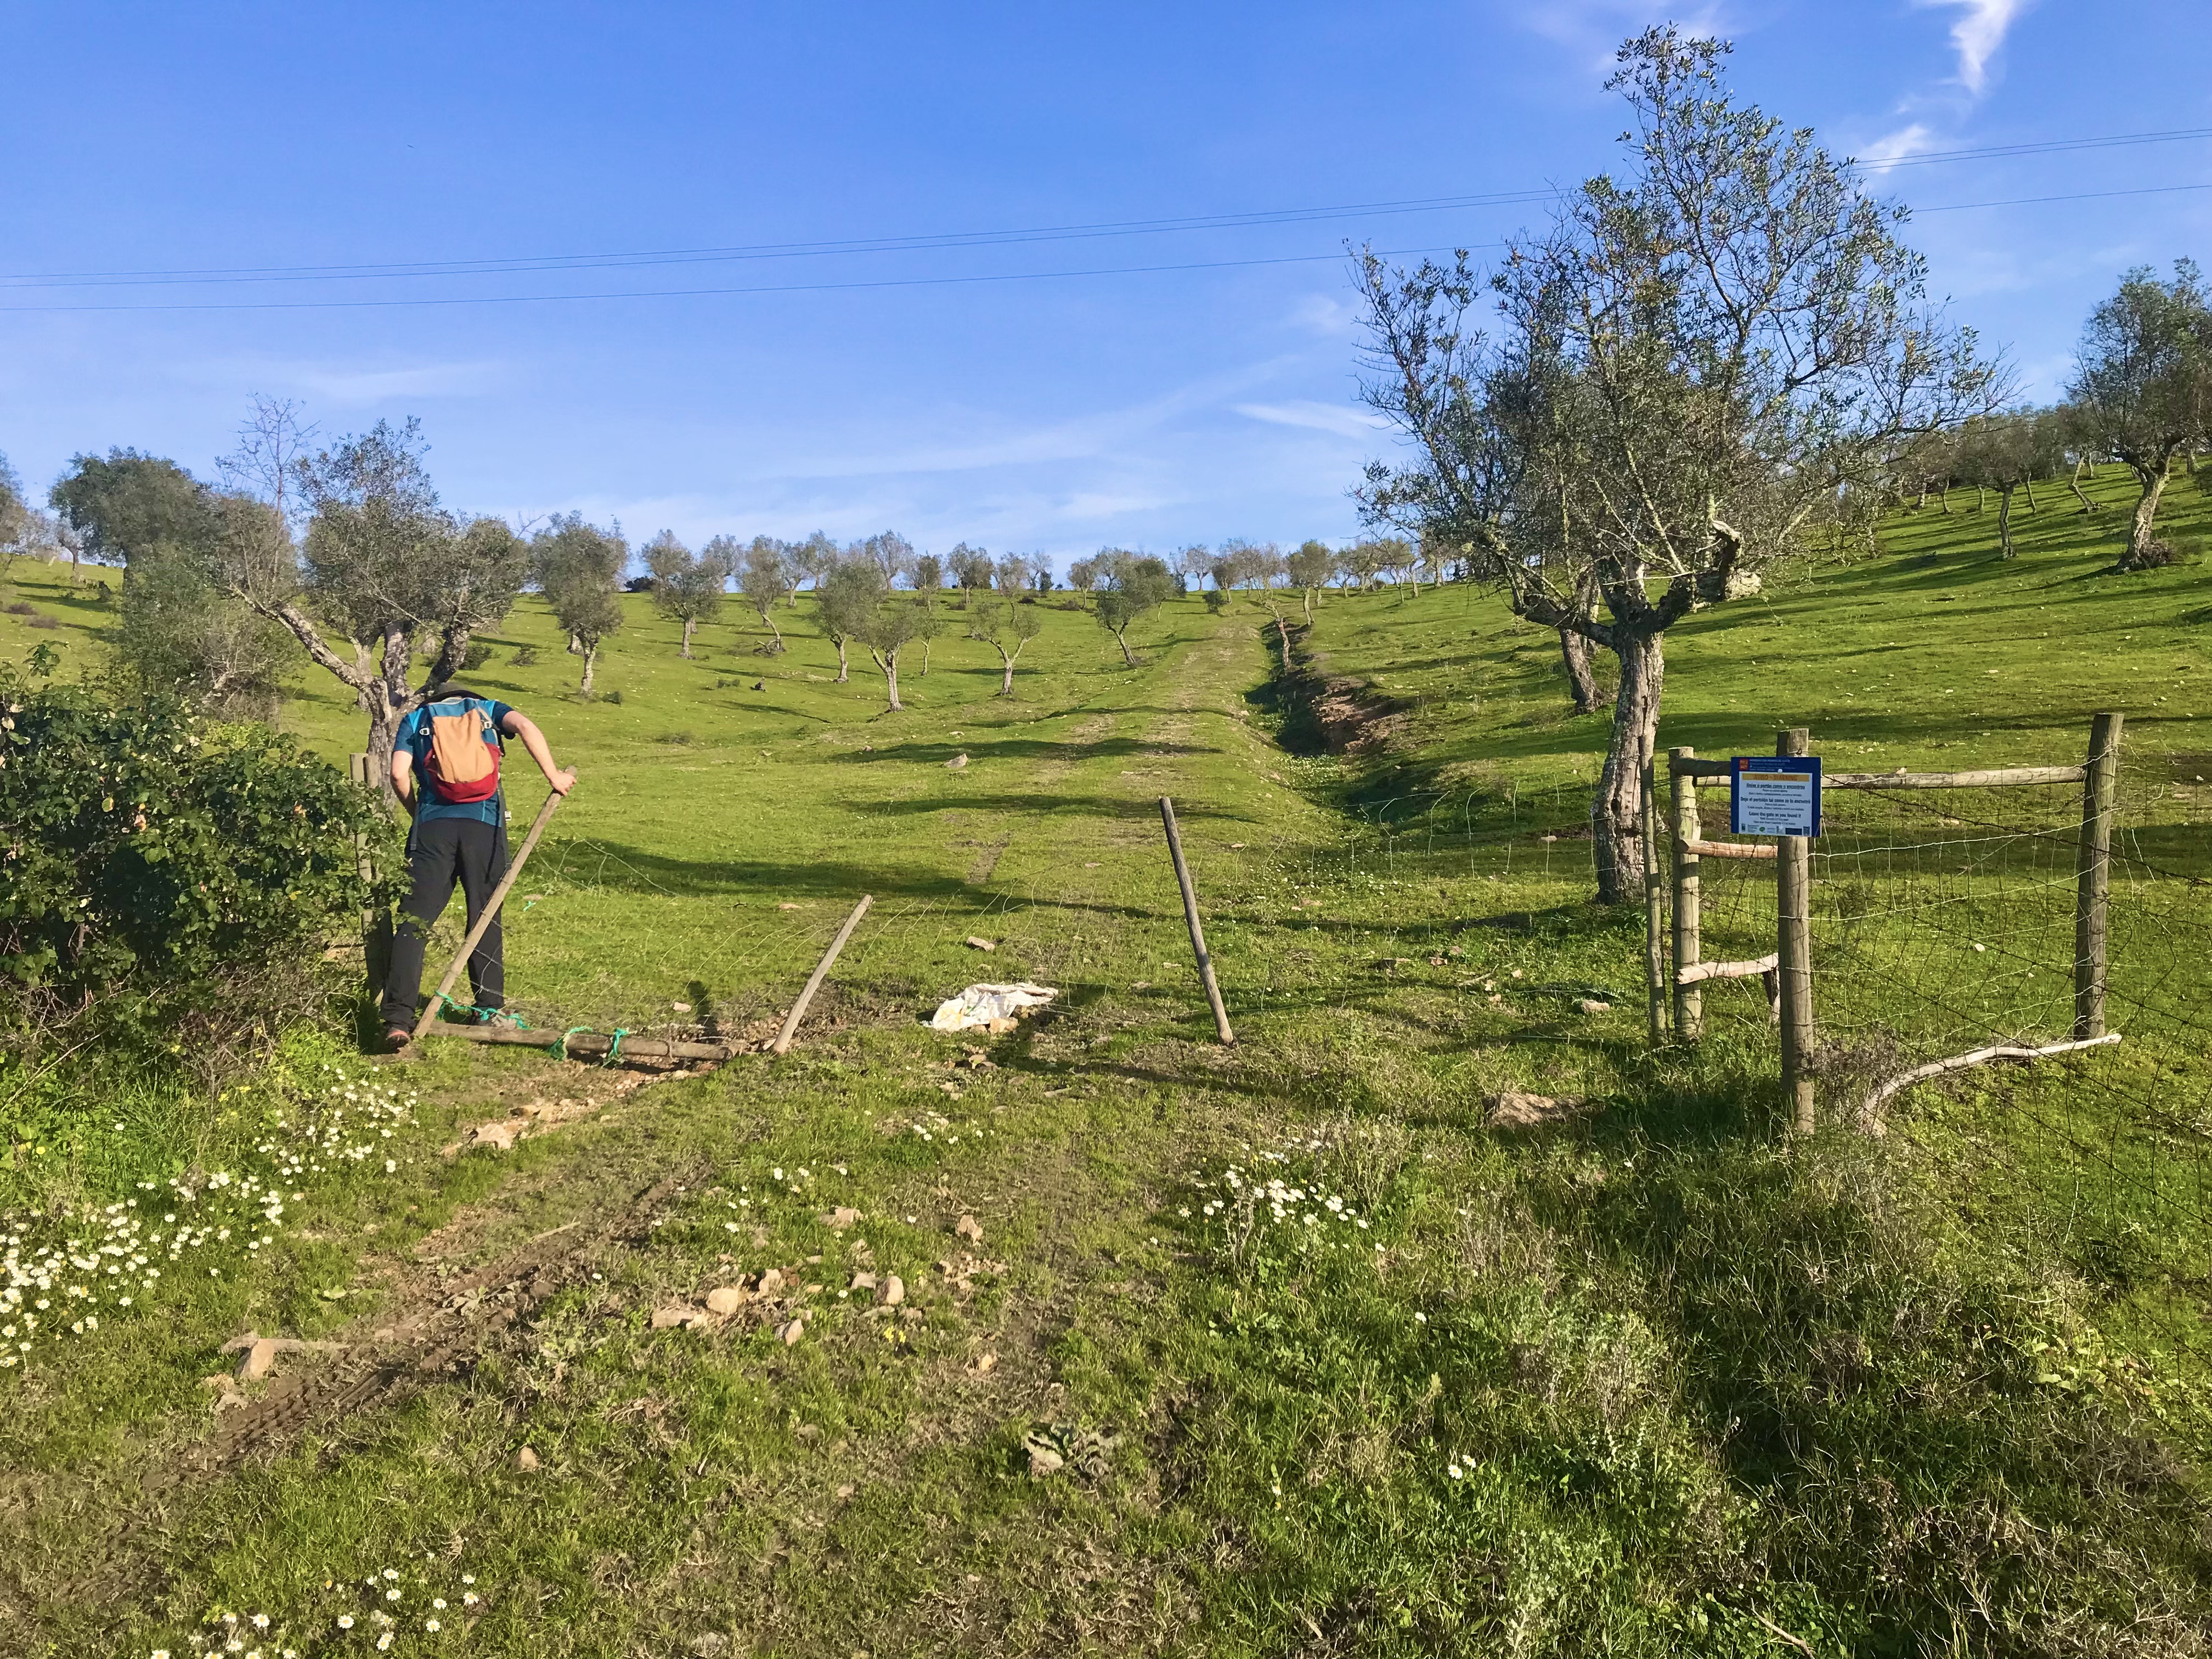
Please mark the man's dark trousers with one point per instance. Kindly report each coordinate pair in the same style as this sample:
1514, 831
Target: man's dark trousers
441, 851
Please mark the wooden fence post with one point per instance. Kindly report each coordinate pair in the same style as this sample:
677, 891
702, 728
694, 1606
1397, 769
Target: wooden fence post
2093, 885
1197, 932
1655, 913
1689, 1002
1793, 894
790, 1028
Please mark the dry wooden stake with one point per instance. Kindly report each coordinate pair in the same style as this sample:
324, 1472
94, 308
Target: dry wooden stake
2093, 886
1689, 1003
1794, 884
1655, 915
1197, 931
782, 1043
498, 898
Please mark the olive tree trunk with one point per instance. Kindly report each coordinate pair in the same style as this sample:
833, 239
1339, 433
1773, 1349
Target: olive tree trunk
1617, 810
1582, 684
591, 663
2004, 520
844, 668
689, 622
2140, 533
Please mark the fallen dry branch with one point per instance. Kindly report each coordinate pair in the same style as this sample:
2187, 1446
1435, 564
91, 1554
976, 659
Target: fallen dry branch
1697, 972
1877, 1096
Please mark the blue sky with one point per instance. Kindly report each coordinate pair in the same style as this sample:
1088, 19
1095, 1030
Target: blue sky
885, 389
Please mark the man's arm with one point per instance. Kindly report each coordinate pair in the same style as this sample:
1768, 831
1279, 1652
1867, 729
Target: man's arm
516, 724
403, 776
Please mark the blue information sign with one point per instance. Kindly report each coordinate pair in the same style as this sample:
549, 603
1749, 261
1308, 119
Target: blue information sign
1774, 795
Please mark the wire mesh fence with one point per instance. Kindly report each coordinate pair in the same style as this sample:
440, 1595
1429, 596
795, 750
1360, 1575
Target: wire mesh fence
1950, 927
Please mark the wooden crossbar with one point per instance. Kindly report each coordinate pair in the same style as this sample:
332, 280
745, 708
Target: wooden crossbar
1729, 849
1697, 972
2006, 778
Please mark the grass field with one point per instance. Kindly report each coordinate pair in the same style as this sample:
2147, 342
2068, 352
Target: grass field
1652, 1379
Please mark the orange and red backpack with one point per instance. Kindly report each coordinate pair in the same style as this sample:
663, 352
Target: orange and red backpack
464, 760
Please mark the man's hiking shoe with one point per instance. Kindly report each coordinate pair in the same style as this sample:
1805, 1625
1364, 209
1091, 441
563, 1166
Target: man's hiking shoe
398, 1038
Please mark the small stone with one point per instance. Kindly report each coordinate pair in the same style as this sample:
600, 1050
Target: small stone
968, 1228
526, 1460
259, 1358
1043, 1460
864, 1281
1235, 846
1001, 1027
844, 1492
793, 1332
226, 1401
668, 1317
985, 1362
220, 1380
956, 763
838, 1219
1592, 1005
710, 1644
977, 942
787, 905
771, 1281
724, 1299
894, 1291
1515, 1110
681, 1007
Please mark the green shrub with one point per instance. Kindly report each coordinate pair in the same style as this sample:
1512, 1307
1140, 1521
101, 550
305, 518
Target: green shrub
167, 885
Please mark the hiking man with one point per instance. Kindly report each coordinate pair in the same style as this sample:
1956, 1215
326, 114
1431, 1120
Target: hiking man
444, 764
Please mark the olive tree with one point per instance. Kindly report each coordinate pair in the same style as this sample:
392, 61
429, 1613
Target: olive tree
2142, 386
2006, 453
1693, 366
857, 604
686, 586
971, 570
383, 563
1134, 587
1310, 568
578, 566
1007, 627
767, 571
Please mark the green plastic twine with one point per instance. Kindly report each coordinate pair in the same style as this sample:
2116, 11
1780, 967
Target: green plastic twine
614, 1046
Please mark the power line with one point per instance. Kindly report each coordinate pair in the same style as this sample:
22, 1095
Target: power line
527, 263
771, 250
920, 282
693, 293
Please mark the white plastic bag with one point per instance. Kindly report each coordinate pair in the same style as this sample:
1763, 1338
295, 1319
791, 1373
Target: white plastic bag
985, 1005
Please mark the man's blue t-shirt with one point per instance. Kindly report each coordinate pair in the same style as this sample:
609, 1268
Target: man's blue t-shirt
415, 738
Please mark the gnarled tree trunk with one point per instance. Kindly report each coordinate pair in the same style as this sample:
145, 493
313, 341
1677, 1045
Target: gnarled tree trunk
2139, 536
591, 663
1617, 809
2004, 520
1582, 684
689, 622
844, 668
2074, 484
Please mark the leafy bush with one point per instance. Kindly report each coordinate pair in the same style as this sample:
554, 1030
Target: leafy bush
167, 885
523, 656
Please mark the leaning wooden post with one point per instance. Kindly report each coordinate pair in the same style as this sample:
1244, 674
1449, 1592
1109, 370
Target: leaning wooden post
1197, 931
1794, 893
1689, 1002
2093, 886
782, 1043
498, 898
1655, 915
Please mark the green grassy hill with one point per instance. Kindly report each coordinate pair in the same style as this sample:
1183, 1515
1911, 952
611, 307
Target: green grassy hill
1327, 1361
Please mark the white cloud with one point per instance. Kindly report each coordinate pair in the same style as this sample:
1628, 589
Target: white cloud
1324, 314
1345, 422
1887, 152
1978, 33
355, 387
